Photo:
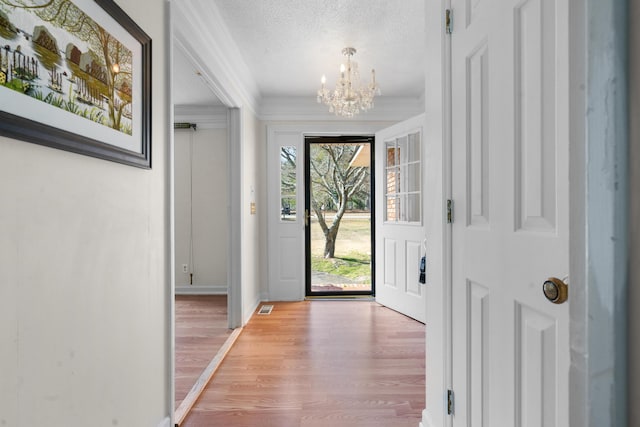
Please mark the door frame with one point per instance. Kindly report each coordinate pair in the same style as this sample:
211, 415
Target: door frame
598, 204
303, 129
307, 208
235, 313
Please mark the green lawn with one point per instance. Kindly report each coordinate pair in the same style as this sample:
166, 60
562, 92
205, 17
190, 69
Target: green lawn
353, 249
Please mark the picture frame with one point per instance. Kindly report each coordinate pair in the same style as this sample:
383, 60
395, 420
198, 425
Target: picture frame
76, 78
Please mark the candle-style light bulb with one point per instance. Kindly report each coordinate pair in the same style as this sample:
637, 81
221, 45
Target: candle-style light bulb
323, 79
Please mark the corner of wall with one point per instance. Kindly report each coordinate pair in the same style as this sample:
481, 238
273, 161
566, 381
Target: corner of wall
249, 313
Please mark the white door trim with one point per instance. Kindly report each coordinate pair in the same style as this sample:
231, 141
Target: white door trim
437, 190
171, 301
235, 313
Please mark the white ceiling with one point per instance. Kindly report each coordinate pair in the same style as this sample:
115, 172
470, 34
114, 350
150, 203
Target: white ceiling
288, 44
189, 88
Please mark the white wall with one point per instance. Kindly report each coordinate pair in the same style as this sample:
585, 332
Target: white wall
204, 152
253, 189
84, 276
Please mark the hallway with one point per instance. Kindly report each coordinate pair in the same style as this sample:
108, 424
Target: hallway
320, 363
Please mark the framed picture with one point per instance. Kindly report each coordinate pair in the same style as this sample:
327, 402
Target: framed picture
76, 75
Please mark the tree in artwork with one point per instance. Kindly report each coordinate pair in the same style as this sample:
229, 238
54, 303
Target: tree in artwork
110, 67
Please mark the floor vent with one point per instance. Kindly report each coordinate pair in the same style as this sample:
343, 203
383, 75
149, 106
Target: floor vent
265, 309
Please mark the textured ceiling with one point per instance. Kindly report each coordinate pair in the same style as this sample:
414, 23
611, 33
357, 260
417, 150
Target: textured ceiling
289, 44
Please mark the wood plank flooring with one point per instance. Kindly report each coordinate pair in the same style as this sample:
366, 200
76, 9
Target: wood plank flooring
318, 364
201, 330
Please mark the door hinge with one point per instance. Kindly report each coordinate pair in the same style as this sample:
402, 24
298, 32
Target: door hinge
450, 402
448, 21
449, 211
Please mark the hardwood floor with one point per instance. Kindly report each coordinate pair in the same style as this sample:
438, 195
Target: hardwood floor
201, 330
319, 364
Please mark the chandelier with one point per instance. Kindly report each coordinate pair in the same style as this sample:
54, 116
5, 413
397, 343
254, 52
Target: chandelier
348, 98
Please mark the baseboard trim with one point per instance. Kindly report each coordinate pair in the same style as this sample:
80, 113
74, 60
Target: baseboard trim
165, 422
251, 312
426, 419
201, 290
205, 377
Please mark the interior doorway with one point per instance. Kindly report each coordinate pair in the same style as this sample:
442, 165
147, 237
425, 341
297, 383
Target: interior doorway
339, 216
205, 266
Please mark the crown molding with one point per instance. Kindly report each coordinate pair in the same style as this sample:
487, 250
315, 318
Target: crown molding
206, 117
306, 108
203, 35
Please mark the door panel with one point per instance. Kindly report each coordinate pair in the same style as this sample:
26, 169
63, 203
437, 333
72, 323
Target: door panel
478, 141
400, 230
390, 263
287, 251
286, 229
536, 361
510, 190
478, 327
536, 138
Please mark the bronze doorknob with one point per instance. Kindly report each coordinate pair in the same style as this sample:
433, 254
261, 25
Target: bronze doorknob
555, 290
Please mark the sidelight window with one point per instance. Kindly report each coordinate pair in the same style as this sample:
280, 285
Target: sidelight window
288, 183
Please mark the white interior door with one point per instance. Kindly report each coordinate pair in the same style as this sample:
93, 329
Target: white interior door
510, 229
400, 229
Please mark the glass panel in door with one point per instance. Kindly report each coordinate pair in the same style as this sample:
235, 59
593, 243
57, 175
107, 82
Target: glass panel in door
339, 225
